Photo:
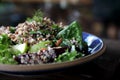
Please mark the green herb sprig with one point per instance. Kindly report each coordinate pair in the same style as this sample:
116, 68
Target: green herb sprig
38, 16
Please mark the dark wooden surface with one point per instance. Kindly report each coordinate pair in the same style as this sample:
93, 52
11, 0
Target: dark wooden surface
104, 67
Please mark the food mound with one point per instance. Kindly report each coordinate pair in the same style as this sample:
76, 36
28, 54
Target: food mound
40, 40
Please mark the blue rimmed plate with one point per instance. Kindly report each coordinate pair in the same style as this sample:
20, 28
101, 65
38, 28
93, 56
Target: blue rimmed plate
96, 48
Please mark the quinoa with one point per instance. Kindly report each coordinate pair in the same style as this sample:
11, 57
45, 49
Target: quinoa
4, 30
23, 32
42, 56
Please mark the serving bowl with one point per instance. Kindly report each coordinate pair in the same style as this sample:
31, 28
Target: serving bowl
96, 48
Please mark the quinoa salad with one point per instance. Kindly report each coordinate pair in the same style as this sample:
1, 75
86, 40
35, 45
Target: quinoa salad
39, 40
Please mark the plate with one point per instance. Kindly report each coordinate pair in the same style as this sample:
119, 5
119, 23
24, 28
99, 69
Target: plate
96, 48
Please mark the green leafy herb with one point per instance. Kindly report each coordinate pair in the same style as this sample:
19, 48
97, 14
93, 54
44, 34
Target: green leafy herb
4, 39
72, 31
55, 29
68, 56
12, 29
38, 17
35, 32
6, 51
6, 56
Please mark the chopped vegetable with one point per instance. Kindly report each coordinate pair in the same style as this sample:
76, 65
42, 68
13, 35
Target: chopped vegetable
58, 42
21, 47
39, 46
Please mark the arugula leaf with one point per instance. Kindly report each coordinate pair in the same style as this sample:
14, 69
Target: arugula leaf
68, 56
72, 31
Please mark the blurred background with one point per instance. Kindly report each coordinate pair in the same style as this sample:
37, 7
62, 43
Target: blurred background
99, 17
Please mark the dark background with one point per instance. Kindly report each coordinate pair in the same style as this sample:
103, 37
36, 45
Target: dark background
99, 17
